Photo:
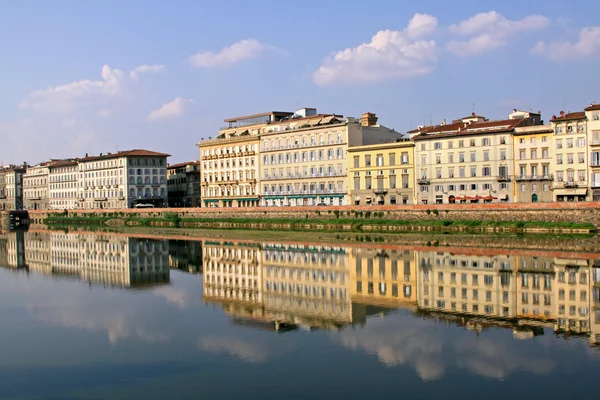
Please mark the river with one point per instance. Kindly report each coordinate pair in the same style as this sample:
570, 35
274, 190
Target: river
111, 316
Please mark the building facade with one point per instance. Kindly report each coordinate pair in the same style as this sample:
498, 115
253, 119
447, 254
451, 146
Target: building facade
469, 160
11, 187
63, 185
35, 187
304, 160
230, 162
382, 174
533, 164
571, 159
183, 184
593, 138
123, 180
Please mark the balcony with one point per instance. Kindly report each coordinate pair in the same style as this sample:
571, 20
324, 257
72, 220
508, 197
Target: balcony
228, 182
423, 181
570, 184
534, 177
503, 178
380, 191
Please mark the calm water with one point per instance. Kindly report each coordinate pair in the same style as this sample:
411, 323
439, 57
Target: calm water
96, 316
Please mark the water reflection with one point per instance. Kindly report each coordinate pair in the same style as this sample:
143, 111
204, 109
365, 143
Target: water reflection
489, 313
319, 286
110, 260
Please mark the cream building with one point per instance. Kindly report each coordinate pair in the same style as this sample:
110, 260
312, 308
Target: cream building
593, 138
533, 164
467, 284
304, 158
35, 187
307, 285
572, 295
571, 159
535, 296
382, 173
63, 185
230, 162
232, 272
469, 160
123, 179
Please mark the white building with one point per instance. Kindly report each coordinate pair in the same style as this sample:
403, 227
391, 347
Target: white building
123, 179
63, 185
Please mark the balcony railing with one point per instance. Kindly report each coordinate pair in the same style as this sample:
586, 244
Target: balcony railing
301, 192
423, 181
504, 178
302, 176
570, 184
380, 191
534, 177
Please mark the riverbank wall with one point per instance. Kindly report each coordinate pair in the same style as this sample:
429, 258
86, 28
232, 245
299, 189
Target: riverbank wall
233, 218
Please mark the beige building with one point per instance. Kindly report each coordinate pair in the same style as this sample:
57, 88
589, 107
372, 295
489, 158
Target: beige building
593, 138
304, 158
535, 289
533, 164
467, 284
382, 173
571, 159
123, 179
35, 187
572, 295
63, 185
469, 160
595, 303
11, 187
230, 162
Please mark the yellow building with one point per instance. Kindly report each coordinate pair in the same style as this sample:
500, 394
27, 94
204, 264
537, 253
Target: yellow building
382, 173
385, 278
230, 162
571, 160
533, 164
593, 138
304, 158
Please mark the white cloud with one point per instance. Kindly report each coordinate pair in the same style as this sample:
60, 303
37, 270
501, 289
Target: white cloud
230, 55
588, 45
389, 55
489, 31
173, 109
86, 93
135, 73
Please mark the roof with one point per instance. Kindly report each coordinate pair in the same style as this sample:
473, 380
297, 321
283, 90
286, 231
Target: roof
263, 114
183, 164
460, 129
125, 153
592, 107
569, 116
62, 163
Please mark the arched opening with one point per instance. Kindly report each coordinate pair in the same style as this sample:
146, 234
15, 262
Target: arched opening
452, 199
534, 198
596, 195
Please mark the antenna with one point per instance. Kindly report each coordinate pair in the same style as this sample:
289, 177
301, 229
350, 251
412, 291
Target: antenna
429, 119
473, 106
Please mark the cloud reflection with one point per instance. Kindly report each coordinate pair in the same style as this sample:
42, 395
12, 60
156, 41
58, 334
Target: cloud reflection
238, 348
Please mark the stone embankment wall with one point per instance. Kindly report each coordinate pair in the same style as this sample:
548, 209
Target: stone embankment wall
538, 212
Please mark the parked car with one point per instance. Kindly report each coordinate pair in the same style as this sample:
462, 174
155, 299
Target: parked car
143, 205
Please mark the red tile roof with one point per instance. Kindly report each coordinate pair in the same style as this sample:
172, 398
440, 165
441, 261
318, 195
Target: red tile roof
569, 116
462, 129
592, 107
125, 153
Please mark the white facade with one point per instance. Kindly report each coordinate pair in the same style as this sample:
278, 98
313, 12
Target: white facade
63, 186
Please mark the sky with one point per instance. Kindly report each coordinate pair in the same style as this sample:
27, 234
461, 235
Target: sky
95, 77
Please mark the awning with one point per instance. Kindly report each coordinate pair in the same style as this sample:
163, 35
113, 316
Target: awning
327, 120
211, 200
571, 192
314, 121
331, 196
250, 199
226, 199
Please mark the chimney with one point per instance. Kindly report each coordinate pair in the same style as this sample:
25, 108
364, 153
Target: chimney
368, 119
86, 154
444, 122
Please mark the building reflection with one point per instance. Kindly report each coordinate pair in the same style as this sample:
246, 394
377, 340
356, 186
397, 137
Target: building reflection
108, 260
277, 286
185, 256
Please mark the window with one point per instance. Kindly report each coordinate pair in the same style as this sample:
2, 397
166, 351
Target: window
522, 155
392, 159
473, 157
485, 142
367, 160
503, 154
437, 146
486, 156
486, 171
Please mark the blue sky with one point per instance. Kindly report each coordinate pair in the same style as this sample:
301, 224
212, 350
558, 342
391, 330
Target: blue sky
95, 77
